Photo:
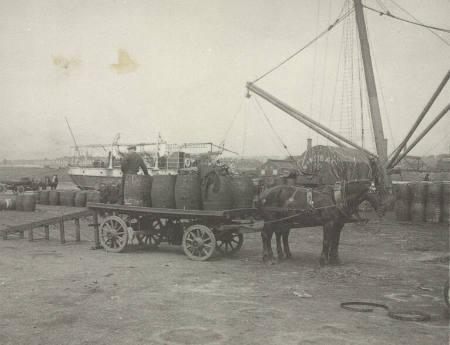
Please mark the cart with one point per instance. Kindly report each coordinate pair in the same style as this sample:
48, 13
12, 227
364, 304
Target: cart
200, 232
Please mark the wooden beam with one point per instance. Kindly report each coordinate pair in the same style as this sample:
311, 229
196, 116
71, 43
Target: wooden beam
427, 107
421, 135
77, 230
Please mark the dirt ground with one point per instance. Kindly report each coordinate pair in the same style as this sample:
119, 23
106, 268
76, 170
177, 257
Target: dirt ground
70, 294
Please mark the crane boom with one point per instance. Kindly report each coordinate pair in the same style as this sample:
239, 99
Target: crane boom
314, 125
77, 149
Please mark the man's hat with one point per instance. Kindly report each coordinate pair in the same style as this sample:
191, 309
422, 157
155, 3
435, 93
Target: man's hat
131, 147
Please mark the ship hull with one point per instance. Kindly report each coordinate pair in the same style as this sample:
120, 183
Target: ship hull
92, 178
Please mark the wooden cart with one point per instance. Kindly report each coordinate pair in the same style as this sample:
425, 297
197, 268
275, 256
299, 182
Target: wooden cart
200, 232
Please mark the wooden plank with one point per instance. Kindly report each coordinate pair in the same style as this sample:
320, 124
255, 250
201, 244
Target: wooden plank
163, 212
96, 230
30, 234
77, 230
62, 235
47, 232
49, 221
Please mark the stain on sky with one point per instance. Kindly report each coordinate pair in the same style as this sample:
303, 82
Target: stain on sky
125, 63
66, 63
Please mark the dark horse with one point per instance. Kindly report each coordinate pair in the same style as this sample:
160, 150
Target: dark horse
284, 207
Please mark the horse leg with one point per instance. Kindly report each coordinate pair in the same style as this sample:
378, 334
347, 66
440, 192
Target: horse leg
325, 243
278, 235
266, 236
335, 238
285, 236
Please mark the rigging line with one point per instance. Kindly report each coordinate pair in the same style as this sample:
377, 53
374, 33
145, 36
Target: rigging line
324, 72
339, 20
389, 14
244, 140
434, 33
314, 67
383, 7
278, 136
330, 117
437, 143
427, 27
361, 105
272, 133
233, 119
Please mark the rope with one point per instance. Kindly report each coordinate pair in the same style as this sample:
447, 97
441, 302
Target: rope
302, 212
279, 137
233, 119
306, 46
417, 22
314, 67
324, 72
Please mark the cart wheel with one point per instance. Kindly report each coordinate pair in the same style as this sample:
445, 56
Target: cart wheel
113, 234
230, 242
149, 239
199, 242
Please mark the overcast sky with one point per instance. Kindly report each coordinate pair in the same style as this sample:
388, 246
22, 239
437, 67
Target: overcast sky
179, 68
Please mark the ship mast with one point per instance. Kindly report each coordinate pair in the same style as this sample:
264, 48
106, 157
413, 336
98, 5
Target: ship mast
380, 140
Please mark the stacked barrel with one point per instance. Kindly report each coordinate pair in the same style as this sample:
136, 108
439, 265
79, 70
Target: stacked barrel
402, 201
422, 201
190, 190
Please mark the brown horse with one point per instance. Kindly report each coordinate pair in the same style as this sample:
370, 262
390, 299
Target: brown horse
284, 207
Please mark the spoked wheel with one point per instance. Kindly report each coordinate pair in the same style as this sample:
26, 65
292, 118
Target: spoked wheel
230, 242
199, 242
113, 234
150, 236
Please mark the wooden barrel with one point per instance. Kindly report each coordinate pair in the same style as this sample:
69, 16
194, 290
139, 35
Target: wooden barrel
187, 192
163, 191
19, 202
29, 202
243, 191
67, 197
53, 197
445, 204
80, 198
137, 190
402, 201
217, 192
93, 196
419, 192
44, 197
433, 203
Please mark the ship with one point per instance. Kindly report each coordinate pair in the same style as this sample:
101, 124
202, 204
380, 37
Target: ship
89, 170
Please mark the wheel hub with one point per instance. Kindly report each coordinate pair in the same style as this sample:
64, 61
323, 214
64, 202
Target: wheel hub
198, 242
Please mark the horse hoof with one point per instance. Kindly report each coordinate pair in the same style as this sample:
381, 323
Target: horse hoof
335, 261
323, 261
289, 256
281, 257
268, 260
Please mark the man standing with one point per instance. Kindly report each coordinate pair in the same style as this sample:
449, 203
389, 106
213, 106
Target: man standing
130, 165
132, 162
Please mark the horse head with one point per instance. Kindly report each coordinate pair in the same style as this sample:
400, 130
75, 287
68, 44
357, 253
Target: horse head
357, 191
272, 196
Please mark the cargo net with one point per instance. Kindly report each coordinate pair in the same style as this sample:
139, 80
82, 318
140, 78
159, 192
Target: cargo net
332, 164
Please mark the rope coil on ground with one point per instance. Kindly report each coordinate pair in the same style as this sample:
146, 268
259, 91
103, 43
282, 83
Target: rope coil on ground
402, 315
